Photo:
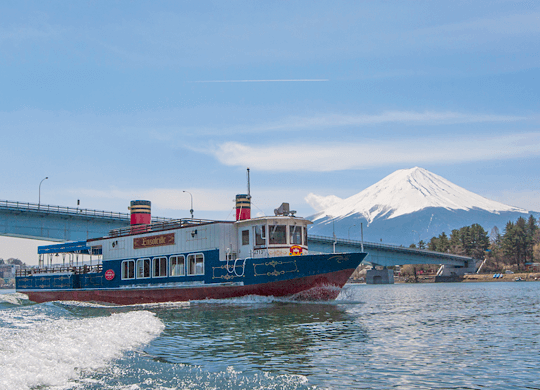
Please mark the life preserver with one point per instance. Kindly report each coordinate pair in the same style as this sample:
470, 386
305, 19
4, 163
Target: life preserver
296, 250
109, 274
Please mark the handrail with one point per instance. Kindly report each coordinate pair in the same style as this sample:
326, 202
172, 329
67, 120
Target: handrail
388, 246
83, 269
43, 208
160, 226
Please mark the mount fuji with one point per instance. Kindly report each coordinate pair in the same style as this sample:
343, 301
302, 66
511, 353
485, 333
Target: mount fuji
407, 206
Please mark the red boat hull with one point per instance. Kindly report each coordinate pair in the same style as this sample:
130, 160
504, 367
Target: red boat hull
317, 287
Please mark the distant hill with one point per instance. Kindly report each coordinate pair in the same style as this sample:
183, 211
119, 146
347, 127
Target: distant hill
407, 206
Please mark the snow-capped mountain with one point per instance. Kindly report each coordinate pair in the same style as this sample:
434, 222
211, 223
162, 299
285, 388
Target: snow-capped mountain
406, 206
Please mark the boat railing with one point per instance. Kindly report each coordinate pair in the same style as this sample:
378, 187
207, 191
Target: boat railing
73, 211
159, 226
83, 269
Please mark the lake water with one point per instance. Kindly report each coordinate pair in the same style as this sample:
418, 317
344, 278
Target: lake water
424, 336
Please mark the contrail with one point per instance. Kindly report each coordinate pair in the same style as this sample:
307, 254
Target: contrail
258, 81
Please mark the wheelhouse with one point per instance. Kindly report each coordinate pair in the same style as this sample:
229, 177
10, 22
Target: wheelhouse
272, 236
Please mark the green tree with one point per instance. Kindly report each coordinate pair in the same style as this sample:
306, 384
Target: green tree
456, 242
478, 241
514, 242
530, 231
15, 261
439, 244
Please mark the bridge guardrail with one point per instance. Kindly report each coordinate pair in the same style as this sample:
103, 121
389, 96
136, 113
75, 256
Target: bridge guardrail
395, 248
43, 208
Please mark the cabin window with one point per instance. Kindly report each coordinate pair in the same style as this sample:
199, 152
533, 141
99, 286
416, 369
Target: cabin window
278, 234
245, 237
260, 235
143, 268
177, 266
196, 264
159, 267
295, 235
305, 235
128, 269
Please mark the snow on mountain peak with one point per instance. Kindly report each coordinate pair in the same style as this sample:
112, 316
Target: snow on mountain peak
406, 191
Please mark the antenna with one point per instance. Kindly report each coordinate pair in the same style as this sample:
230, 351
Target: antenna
248, 193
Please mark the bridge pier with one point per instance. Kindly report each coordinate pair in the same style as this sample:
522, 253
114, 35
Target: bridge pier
449, 273
380, 276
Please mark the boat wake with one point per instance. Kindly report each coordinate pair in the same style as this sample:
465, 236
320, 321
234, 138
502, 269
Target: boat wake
140, 306
14, 299
328, 294
44, 350
319, 293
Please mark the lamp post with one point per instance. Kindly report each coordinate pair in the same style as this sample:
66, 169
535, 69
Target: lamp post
191, 210
39, 201
349, 231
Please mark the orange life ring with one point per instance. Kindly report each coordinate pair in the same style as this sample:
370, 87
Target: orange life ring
296, 250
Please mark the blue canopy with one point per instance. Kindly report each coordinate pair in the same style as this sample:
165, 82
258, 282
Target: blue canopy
66, 247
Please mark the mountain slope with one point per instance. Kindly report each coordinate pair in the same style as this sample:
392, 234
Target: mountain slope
409, 205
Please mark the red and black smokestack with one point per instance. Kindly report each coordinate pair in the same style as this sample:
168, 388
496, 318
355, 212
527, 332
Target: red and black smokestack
140, 212
243, 207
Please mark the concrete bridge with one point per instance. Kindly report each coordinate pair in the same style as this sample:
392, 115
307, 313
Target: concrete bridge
57, 223
384, 255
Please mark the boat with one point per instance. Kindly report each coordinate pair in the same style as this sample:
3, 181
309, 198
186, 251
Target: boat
191, 259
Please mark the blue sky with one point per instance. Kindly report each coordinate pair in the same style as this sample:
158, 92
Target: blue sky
117, 100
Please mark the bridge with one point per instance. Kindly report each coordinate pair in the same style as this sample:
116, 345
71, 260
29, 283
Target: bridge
384, 255
58, 223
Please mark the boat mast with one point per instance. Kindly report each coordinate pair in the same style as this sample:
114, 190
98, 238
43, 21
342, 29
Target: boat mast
248, 192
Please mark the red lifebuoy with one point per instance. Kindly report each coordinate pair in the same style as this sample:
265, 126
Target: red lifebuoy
296, 250
109, 274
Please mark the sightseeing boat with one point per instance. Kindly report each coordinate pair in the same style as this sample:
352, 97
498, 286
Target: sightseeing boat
191, 259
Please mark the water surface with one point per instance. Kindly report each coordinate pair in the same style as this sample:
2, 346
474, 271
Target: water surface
445, 336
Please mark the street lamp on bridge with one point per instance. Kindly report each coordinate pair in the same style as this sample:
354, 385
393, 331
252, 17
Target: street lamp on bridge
39, 199
191, 210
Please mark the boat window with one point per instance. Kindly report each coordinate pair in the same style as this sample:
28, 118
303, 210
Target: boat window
143, 268
159, 267
245, 237
295, 234
196, 264
305, 235
128, 269
278, 234
260, 235
177, 266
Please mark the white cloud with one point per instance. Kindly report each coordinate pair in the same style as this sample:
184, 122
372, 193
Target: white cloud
341, 156
403, 117
320, 203
332, 121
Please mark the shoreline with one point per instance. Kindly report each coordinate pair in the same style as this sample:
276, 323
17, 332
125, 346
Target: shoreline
521, 276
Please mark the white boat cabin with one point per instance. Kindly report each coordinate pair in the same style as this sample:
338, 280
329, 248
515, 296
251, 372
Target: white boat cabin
272, 236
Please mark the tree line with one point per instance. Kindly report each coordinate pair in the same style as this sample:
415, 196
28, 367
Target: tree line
518, 245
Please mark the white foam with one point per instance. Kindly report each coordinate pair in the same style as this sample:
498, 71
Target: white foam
243, 300
260, 299
168, 305
14, 298
54, 352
